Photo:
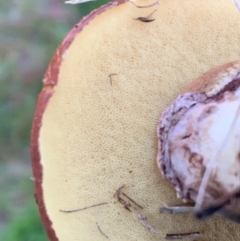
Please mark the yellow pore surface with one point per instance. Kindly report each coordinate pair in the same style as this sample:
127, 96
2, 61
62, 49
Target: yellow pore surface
99, 132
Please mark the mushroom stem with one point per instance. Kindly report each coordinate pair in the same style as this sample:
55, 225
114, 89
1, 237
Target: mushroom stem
216, 207
211, 166
237, 4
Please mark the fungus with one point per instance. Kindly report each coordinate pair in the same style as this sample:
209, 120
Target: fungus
93, 133
199, 142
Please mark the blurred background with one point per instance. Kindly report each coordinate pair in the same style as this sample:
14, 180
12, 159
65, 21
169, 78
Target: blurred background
30, 32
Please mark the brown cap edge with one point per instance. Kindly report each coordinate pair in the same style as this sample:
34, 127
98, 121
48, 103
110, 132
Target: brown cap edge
49, 81
215, 79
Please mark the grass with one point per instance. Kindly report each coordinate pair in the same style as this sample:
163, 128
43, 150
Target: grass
19, 218
26, 227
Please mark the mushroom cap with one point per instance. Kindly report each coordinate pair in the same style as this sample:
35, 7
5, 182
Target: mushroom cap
94, 128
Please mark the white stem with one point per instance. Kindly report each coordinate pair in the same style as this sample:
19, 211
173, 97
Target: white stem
237, 4
211, 166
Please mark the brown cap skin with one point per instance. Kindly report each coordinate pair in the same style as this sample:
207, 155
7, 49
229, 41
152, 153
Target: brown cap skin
154, 60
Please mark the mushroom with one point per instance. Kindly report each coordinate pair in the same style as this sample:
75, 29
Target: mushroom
94, 142
199, 138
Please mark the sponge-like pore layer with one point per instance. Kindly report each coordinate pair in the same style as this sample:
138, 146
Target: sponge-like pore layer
98, 128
